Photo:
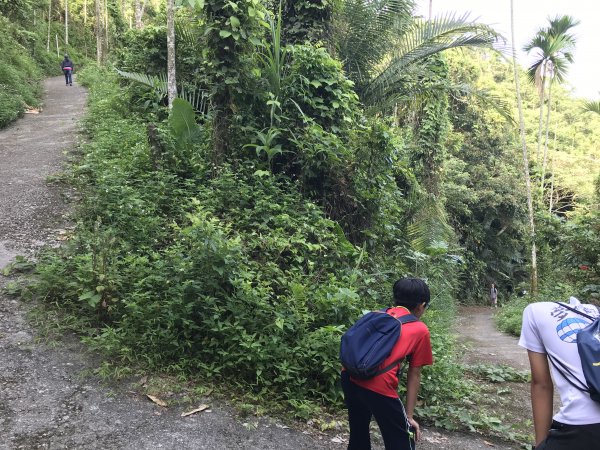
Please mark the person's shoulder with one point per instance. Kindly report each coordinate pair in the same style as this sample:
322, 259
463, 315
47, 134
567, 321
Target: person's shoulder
417, 328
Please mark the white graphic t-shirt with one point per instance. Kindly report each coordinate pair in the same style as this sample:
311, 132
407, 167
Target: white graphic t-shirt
552, 329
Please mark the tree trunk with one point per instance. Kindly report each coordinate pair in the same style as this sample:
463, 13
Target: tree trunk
551, 201
541, 121
106, 25
534, 281
49, 23
66, 23
430, 8
85, 12
139, 13
171, 79
546, 141
98, 32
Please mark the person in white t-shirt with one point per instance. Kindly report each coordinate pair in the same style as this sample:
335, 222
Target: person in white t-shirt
549, 332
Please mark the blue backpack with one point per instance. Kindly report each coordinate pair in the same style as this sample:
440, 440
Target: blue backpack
588, 346
368, 343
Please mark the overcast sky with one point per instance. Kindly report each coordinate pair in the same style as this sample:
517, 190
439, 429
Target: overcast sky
530, 15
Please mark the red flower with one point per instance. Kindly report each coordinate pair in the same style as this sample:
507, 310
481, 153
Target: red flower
583, 267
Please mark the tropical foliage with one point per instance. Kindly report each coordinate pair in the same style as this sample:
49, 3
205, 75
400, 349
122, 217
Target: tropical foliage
316, 152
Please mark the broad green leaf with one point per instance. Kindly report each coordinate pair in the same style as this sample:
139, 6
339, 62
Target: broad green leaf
224, 33
182, 120
235, 22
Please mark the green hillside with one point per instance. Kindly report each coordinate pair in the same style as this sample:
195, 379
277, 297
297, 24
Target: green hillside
310, 158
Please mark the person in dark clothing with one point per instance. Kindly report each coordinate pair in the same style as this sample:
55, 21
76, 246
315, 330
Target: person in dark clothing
67, 67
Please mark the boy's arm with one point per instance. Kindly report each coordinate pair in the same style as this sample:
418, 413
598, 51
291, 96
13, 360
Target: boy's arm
413, 383
542, 391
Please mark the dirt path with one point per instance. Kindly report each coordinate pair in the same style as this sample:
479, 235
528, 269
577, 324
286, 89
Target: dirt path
485, 344
46, 399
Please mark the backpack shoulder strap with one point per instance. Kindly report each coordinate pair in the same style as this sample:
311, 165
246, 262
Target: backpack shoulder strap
576, 311
408, 318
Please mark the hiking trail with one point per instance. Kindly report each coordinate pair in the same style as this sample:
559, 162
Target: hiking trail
48, 397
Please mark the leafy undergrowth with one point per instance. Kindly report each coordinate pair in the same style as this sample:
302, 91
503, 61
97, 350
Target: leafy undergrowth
175, 268
20, 72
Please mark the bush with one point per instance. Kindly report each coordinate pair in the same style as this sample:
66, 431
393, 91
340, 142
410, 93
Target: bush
20, 76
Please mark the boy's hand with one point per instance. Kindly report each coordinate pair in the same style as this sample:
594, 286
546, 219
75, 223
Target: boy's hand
416, 429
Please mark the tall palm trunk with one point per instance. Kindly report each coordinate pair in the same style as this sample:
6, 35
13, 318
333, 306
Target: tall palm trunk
106, 40
49, 24
546, 140
99, 22
66, 23
139, 13
534, 281
551, 200
171, 80
541, 121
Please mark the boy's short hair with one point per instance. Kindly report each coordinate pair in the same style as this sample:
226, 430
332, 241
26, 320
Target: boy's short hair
410, 292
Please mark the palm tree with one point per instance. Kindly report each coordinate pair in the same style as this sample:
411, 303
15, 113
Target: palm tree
525, 158
553, 46
380, 44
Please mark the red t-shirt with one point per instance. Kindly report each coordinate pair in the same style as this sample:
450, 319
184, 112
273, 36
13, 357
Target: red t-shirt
414, 341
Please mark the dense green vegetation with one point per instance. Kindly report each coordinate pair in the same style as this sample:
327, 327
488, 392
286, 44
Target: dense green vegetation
20, 73
31, 48
236, 236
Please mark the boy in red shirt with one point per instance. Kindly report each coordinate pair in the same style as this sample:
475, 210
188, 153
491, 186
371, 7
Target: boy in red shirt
378, 396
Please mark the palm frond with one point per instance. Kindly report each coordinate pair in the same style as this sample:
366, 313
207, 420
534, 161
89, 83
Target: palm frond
158, 82
190, 33
592, 106
195, 95
500, 104
364, 33
429, 228
425, 39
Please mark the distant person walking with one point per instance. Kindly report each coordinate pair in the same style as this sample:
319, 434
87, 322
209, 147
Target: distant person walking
494, 296
67, 67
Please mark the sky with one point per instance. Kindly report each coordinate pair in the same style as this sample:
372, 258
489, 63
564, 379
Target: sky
530, 16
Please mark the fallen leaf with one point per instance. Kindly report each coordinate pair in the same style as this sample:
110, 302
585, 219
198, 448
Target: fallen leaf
337, 440
157, 400
489, 444
143, 380
194, 411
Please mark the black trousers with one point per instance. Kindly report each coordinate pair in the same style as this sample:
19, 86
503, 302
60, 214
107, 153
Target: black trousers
389, 413
571, 437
